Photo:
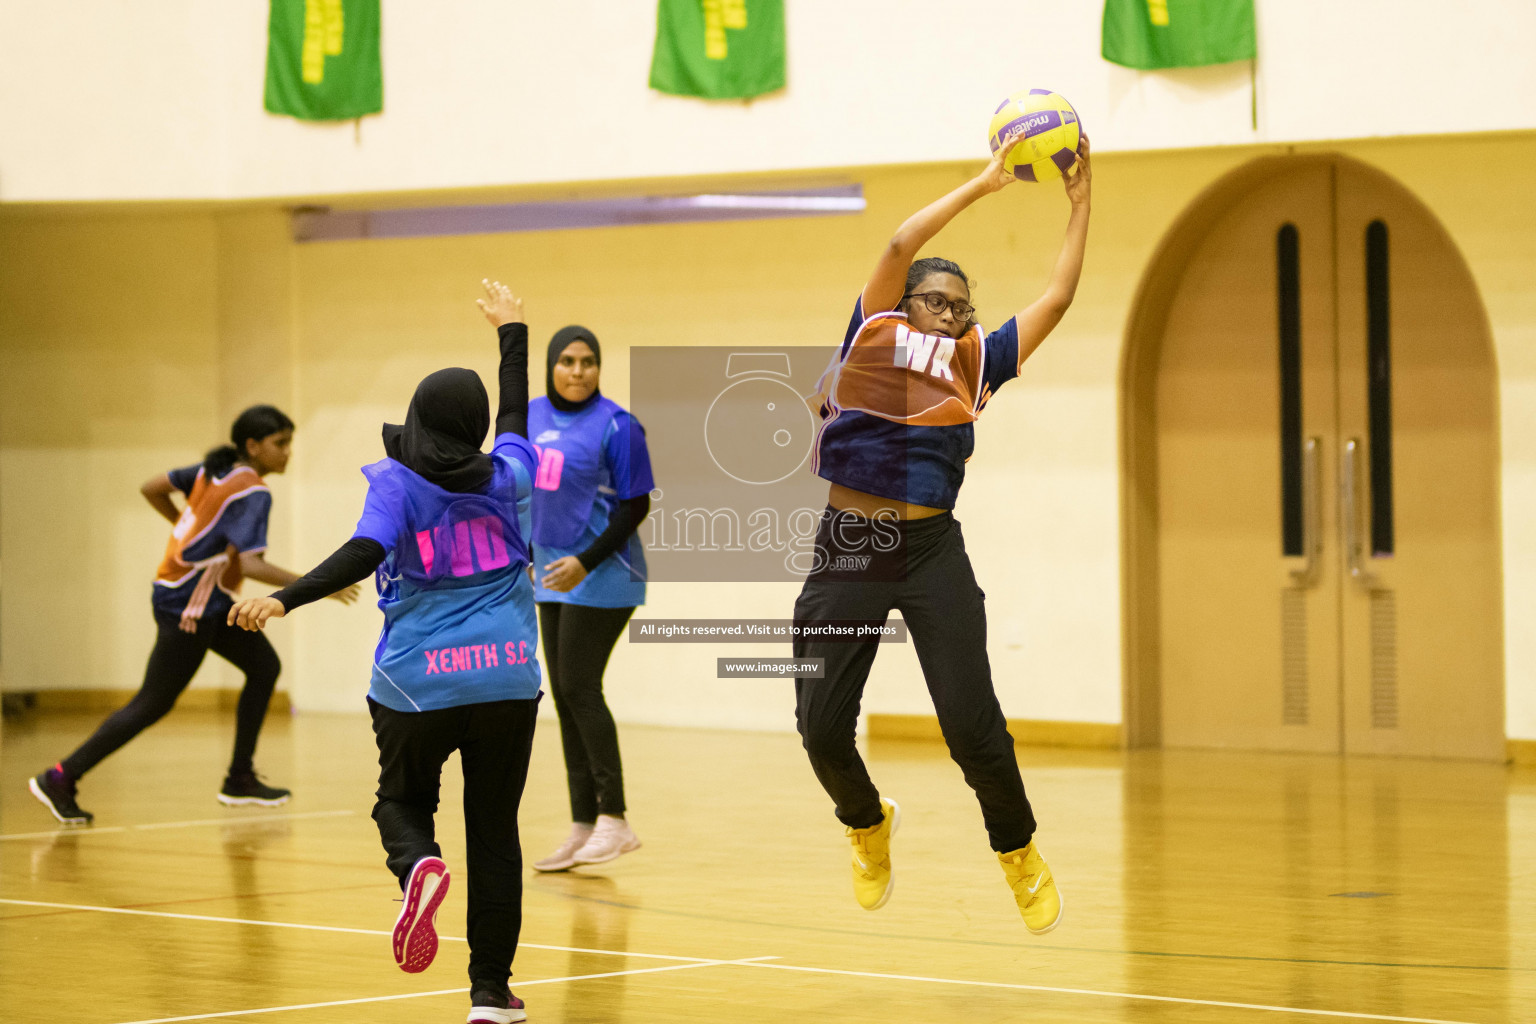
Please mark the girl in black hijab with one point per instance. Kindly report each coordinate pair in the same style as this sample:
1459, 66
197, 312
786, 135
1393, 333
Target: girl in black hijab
456, 665
592, 493
444, 429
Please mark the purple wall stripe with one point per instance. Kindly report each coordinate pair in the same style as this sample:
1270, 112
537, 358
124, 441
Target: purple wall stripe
321, 224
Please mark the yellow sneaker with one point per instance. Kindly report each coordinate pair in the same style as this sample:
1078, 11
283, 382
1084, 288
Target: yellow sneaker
872, 878
1033, 888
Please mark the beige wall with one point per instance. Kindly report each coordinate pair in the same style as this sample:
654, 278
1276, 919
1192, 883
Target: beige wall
342, 331
108, 374
111, 100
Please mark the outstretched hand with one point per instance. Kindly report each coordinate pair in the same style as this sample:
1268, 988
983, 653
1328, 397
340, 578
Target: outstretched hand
500, 306
252, 613
1079, 183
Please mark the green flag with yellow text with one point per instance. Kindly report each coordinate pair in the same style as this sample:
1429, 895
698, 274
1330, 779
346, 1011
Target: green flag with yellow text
719, 49
1152, 34
323, 59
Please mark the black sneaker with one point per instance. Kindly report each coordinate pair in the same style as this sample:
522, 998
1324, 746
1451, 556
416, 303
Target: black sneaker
247, 788
495, 1008
57, 793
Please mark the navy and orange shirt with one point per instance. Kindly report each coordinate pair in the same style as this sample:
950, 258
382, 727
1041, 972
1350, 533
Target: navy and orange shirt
200, 575
898, 407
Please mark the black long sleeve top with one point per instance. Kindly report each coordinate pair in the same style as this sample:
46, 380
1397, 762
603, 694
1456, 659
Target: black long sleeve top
360, 557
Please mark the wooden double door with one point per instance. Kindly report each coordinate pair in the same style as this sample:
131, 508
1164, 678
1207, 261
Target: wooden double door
1327, 498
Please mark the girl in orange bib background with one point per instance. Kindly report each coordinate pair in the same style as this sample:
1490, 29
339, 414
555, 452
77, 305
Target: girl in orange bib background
219, 538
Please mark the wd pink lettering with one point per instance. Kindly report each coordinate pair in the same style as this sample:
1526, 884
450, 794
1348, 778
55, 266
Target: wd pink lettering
458, 659
476, 649
490, 656
551, 462
490, 546
431, 662
462, 564
511, 653
466, 547
522, 652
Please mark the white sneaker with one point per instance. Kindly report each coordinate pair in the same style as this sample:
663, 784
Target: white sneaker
611, 837
564, 855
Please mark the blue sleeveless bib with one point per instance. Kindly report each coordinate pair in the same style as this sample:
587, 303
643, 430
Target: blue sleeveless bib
459, 625
571, 469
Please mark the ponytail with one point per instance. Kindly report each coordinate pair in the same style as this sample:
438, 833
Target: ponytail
220, 460
255, 423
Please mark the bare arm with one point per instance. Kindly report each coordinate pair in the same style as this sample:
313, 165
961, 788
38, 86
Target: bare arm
1040, 317
889, 280
254, 565
157, 491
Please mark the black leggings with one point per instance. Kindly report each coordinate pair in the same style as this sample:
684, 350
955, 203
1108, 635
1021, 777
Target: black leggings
494, 741
577, 643
928, 578
172, 664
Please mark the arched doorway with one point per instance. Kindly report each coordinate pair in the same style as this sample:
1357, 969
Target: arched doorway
1311, 476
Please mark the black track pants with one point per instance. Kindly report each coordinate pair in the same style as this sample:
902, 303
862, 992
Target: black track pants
920, 568
494, 741
172, 664
577, 642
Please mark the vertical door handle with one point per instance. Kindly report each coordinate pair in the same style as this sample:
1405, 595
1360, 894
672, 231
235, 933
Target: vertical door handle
1349, 515
1311, 515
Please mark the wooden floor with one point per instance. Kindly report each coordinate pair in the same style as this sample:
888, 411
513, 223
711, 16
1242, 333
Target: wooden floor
1198, 887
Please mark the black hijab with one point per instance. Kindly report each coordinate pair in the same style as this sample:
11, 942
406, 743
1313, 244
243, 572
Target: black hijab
558, 344
444, 428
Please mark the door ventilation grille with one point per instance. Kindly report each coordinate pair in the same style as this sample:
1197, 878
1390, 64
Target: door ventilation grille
1293, 656
1383, 659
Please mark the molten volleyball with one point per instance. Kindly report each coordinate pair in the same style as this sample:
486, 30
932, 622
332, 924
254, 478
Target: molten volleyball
1047, 132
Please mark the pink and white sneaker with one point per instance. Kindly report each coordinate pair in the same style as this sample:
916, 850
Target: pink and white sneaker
415, 937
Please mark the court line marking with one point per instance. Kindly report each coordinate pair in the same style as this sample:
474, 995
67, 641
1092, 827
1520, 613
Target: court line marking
348, 931
1182, 1000
152, 826
866, 935
705, 962
449, 991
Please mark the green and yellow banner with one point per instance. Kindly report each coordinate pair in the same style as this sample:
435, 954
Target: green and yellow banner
1153, 34
719, 49
323, 59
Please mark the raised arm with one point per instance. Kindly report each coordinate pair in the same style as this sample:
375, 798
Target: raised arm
889, 281
1040, 317
505, 311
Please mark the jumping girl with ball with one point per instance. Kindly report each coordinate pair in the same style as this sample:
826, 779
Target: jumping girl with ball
897, 405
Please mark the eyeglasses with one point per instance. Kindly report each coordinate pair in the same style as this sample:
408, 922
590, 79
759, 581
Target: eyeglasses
935, 302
